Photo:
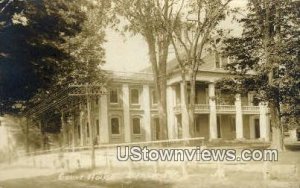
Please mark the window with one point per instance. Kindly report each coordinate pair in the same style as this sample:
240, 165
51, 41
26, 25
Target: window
134, 97
178, 95
97, 127
154, 97
115, 126
78, 130
217, 60
197, 124
256, 128
219, 126
232, 124
136, 125
113, 96
87, 130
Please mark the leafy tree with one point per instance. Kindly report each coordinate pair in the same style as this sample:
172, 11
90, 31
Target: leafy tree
152, 19
51, 49
266, 60
193, 36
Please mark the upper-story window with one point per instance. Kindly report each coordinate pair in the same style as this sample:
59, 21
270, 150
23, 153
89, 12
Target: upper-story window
97, 127
221, 60
113, 97
115, 125
217, 60
153, 97
135, 96
87, 130
136, 125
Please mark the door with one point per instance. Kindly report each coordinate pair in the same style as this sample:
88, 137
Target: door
256, 128
219, 126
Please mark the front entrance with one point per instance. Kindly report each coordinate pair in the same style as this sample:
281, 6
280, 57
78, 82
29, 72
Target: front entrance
219, 126
256, 128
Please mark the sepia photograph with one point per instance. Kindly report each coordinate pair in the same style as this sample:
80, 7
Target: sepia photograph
149, 93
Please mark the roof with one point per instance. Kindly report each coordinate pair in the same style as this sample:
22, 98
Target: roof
173, 65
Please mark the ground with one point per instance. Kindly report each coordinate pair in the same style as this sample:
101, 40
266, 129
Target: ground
284, 173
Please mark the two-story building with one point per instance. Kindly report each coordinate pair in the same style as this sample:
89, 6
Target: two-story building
129, 112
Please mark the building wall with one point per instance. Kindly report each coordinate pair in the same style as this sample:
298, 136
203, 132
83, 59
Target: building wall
202, 120
227, 123
146, 111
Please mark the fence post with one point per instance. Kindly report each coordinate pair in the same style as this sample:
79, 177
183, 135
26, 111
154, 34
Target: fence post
266, 170
184, 168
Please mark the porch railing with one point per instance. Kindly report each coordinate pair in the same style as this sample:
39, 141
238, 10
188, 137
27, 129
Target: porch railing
225, 108
201, 108
204, 108
250, 109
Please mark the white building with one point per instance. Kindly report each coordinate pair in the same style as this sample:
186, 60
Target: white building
129, 112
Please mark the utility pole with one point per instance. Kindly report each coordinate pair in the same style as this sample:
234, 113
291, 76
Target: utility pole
88, 91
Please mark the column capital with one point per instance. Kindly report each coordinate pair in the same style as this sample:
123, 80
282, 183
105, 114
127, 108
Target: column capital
237, 97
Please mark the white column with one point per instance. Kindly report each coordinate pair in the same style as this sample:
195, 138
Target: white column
264, 125
252, 127
213, 131
184, 113
147, 112
103, 120
238, 117
126, 113
171, 114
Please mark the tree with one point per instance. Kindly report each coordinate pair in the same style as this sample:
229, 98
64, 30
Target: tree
269, 48
194, 31
52, 49
153, 20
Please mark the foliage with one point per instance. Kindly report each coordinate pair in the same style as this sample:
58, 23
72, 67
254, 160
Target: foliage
152, 19
265, 59
47, 44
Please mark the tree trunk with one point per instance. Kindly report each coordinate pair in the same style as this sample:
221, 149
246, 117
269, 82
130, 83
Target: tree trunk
192, 104
277, 128
159, 68
91, 131
186, 102
163, 102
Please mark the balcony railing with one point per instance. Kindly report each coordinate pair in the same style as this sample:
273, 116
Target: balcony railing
250, 109
204, 108
201, 108
226, 108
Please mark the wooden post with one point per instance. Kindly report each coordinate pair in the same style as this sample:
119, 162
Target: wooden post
73, 132
88, 100
42, 135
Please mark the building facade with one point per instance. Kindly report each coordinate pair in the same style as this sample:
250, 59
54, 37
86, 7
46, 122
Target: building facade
129, 112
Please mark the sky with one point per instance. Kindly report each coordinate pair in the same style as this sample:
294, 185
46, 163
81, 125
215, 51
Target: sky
130, 53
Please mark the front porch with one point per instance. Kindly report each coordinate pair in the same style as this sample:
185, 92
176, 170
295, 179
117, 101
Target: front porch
217, 115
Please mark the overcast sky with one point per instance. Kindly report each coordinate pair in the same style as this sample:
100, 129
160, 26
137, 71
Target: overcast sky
130, 53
